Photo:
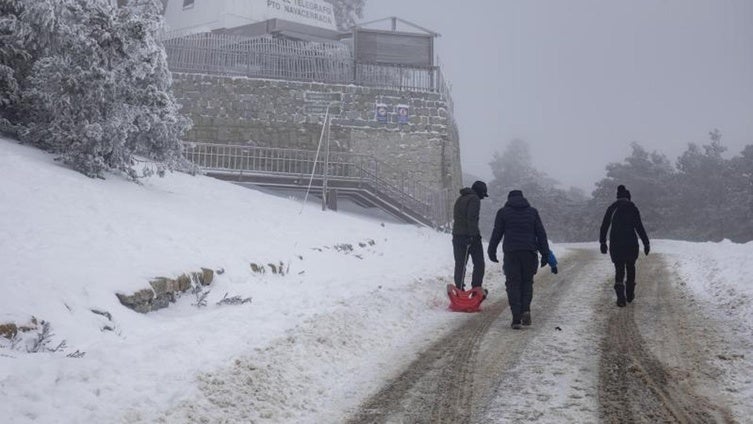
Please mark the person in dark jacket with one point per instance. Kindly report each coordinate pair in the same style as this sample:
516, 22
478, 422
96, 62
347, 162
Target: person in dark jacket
466, 237
625, 221
523, 232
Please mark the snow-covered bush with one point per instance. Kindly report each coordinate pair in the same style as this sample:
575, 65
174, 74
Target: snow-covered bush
98, 90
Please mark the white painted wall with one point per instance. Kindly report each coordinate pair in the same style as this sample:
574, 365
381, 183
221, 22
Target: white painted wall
207, 15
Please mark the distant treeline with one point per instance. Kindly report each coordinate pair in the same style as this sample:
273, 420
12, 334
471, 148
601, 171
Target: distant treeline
701, 197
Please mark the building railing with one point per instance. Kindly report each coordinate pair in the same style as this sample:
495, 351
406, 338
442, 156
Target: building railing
276, 58
363, 170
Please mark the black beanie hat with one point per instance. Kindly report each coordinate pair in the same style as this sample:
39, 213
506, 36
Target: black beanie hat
622, 192
514, 193
479, 187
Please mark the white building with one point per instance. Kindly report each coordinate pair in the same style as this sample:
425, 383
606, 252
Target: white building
123, 2
314, 17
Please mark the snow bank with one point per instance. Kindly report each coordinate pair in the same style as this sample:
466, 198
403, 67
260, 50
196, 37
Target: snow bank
719, 272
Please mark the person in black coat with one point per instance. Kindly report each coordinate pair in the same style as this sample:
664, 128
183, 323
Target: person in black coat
524, 234
466, 237
625, 221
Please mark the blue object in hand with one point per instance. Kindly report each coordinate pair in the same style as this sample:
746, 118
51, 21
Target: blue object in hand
552, 262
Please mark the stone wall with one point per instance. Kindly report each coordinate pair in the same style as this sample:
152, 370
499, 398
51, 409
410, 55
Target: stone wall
163, 291
289, 114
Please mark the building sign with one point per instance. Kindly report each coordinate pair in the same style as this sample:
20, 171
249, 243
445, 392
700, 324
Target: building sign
210, 15
316, 103
309, 12
403, 115
381, 114
318, 109
315, 96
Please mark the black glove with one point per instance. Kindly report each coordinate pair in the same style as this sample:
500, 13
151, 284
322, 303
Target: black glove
544, 260
554, 270
492, 256
604, 248
646, 249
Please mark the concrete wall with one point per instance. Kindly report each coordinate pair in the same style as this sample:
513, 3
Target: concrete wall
289, 114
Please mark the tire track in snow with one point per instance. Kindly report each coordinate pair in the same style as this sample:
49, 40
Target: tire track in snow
455, 377
635, 384
555, 379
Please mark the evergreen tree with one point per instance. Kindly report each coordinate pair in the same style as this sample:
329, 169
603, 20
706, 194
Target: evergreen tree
512, 170
146, 83
98, 92
347, 12
704, 193
560, 210
14, 59
740, 208
648, 176
704, 197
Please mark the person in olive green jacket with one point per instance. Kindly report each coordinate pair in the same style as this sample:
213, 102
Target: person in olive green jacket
466, 237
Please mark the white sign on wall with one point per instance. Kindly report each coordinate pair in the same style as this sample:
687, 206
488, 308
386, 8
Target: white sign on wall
309, 12
208, 15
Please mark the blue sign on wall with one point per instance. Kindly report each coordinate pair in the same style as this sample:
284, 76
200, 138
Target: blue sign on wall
380, 113
403, 114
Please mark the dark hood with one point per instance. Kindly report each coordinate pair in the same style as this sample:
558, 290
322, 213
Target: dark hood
466, 190
517, 202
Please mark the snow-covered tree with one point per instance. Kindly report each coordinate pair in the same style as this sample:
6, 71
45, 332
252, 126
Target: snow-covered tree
347, 12
147, 86
14, 61
98, 93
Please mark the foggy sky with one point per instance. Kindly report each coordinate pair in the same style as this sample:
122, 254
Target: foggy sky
581, 79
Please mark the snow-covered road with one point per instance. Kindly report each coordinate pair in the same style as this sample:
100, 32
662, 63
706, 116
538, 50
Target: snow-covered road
583, 360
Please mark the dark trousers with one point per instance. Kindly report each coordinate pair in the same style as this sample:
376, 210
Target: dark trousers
626, 289
519, 267
462, 247
619, 271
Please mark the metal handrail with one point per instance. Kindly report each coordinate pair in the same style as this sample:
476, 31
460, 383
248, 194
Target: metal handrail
276, 58
345, 166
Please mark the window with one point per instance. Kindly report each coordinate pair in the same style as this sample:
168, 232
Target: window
187, 4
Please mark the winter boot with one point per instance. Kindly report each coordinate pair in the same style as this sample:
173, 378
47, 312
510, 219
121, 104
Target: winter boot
525, 318
630, 291
516, 325
620, 290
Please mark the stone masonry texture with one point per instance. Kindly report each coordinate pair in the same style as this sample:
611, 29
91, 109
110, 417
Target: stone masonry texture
289, 114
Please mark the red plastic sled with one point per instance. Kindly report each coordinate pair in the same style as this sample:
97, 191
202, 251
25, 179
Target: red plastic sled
465, 301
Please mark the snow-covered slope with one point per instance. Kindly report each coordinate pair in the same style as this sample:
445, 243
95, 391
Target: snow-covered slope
68, 243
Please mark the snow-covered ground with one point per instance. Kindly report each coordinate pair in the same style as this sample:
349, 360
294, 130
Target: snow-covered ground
360, 297
720, 273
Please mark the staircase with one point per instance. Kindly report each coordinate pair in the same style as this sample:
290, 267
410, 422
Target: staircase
361, 177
